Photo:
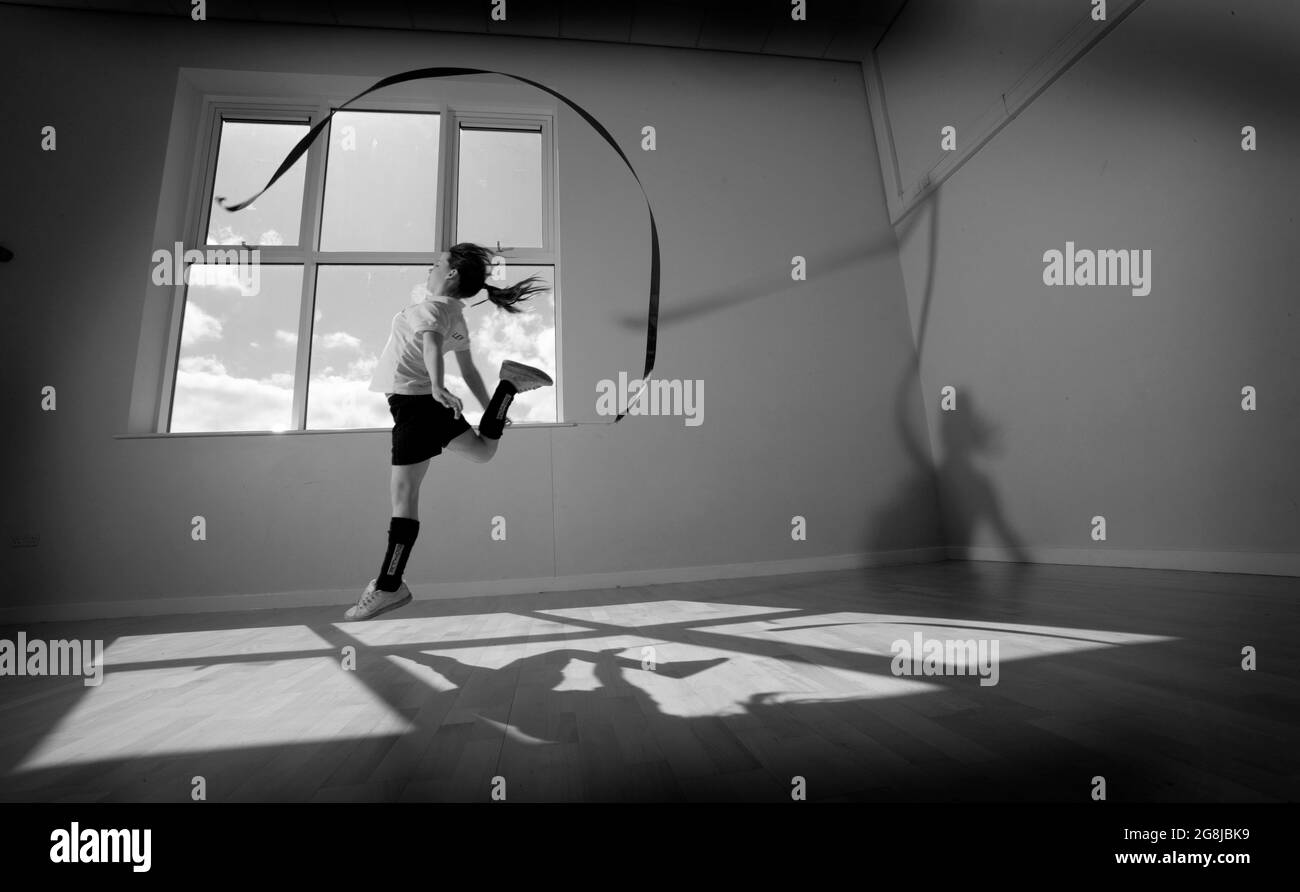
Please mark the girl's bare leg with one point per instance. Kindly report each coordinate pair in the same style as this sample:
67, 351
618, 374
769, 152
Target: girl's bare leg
472, 446
405, 489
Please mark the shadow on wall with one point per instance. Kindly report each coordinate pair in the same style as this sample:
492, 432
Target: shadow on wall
963, 434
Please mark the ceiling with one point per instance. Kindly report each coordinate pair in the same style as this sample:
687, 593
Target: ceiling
834, 29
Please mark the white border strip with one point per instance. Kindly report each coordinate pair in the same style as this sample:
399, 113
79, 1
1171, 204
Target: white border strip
1259, 563
1248, 562
343, 598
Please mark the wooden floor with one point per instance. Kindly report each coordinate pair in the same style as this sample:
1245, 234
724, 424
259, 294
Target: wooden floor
1132, 675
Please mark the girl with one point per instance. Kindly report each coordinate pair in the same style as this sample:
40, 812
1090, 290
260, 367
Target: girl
426, 416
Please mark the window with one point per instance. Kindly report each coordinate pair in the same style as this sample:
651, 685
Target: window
287, 339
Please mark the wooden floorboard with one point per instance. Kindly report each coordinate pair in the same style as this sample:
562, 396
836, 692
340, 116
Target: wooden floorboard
722, 690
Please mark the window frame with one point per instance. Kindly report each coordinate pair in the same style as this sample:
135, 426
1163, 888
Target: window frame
453, 113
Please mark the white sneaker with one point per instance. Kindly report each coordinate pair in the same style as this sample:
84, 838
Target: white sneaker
524, 377
374, 602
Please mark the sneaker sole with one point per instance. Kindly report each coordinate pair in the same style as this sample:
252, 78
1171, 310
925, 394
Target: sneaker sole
382, 610
524, 378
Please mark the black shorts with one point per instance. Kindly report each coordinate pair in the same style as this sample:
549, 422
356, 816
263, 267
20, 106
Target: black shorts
422, 426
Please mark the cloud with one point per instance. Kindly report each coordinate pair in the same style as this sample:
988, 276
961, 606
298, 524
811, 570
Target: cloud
523, 337
341, 339
286, 337
226, 235
361, 369
231, 270
199, 326
203, 365
343, 402
208, 398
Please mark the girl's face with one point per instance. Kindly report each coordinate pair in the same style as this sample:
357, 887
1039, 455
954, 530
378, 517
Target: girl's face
440, 273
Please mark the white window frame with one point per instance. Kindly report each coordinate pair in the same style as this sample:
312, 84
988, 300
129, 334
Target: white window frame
453, 114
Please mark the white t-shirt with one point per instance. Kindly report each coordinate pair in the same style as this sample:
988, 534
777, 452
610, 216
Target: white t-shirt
401, 367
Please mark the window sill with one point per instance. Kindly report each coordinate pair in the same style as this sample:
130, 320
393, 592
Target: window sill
351, 430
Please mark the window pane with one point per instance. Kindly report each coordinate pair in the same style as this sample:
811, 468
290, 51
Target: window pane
381, 182
500, 193
527, 337
247, 157
354, 309
238, 349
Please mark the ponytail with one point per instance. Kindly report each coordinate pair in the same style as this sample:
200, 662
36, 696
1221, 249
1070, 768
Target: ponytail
471, 262
507, 298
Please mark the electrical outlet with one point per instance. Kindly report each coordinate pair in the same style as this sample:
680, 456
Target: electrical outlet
24, 541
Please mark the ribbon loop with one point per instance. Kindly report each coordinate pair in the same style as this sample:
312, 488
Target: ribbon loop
300, 149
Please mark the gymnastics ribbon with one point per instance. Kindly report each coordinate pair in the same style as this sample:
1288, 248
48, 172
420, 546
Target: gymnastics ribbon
652, 318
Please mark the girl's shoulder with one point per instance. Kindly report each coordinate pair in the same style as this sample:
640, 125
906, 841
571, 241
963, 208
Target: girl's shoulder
425, 307
428, 313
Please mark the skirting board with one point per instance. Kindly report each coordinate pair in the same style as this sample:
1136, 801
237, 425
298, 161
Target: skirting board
1254, 562
342, 598
1147, 559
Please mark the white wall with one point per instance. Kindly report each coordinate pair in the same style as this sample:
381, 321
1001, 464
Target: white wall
1078, 402
759, 159
950, 62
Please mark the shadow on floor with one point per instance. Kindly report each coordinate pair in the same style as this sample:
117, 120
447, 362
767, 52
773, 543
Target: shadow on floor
754, 683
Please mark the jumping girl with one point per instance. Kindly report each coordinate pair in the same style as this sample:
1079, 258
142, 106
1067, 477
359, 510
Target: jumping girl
426, 416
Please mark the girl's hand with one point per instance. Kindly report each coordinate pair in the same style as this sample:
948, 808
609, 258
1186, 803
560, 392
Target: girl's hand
448, 399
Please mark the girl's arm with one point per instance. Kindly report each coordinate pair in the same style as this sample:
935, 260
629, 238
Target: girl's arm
473, 380
433, 360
